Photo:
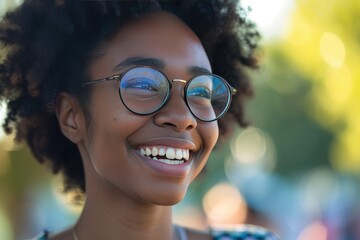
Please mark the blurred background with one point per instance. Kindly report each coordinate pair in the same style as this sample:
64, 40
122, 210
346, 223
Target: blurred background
295, 169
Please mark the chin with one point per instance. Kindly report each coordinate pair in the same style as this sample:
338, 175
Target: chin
173, 201
167, 198
168, 202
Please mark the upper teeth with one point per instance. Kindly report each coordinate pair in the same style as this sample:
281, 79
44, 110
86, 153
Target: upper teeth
169, 152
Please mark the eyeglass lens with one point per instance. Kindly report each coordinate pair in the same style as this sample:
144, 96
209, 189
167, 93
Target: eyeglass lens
145, 90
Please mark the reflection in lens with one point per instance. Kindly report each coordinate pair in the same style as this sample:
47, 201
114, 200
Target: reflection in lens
208, 97
143, 90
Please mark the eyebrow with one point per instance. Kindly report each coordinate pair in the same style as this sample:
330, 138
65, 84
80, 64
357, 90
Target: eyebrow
155, 63
140, 61
196, 70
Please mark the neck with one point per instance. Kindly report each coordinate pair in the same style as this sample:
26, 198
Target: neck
110, 214
128, 220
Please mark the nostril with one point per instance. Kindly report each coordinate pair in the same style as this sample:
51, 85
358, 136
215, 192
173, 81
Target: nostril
169, 124
189, 127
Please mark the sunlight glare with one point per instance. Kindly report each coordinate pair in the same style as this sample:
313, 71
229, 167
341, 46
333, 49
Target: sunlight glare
271, 17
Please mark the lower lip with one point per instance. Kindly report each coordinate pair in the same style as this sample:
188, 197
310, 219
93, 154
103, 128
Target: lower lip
177, 170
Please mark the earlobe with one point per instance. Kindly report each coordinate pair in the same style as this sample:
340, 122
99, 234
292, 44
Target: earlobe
69, 117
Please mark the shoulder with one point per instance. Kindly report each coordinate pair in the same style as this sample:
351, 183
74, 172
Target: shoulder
194, 234
233, 232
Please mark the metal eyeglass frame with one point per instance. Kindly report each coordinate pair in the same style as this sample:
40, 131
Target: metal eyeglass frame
231, 89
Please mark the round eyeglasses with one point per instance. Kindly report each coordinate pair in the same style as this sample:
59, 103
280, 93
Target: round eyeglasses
145, 90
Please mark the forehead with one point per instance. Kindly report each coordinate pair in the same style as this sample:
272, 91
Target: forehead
157, 35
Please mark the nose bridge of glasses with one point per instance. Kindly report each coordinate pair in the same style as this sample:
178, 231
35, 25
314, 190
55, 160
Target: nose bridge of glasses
180, 91
179, 80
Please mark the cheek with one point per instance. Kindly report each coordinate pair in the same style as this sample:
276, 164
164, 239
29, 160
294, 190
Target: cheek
210, 134
108, 114
108, 149
110, 126
113, 127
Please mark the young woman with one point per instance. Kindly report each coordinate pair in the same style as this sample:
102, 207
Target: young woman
125, 99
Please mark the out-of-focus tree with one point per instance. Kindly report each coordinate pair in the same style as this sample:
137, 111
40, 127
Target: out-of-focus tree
323, 42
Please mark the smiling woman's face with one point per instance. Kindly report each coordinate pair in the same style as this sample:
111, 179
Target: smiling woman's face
119, 140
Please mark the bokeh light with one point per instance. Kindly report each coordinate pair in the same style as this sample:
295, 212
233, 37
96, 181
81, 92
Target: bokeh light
251, 151
332, 49
315, 230
317, 187
249, 147
223, 204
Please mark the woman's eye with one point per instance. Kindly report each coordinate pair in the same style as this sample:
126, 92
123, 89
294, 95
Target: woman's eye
140, 84
202, 92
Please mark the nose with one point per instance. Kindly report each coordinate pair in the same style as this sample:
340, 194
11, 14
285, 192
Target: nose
175, 113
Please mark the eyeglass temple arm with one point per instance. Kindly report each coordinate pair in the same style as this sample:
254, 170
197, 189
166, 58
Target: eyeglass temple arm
233, 90
115, 77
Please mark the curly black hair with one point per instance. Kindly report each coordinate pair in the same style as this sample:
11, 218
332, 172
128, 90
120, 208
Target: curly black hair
47, 45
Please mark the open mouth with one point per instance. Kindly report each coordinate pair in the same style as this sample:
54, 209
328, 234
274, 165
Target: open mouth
168, 155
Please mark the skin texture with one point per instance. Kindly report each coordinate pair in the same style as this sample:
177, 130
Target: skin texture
126, 196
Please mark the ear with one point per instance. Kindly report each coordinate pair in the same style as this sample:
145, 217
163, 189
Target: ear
70, 117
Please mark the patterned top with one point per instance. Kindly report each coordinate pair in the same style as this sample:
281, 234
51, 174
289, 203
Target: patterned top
243, 232
238, 232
